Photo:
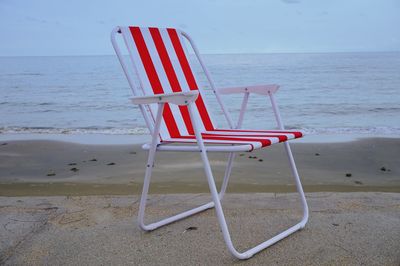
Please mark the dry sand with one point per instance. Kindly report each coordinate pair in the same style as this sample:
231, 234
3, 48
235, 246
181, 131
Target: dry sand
344, 229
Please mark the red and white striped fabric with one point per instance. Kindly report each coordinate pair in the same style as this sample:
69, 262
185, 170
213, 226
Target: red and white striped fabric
162, 66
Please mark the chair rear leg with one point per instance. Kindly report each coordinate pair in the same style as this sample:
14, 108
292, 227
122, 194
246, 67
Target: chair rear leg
228, 171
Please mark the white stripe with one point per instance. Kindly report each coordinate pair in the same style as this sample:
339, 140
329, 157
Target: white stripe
179, 72
201, 91
272, 139
174, 60
250, 133
143, 79
162, 75
256, 145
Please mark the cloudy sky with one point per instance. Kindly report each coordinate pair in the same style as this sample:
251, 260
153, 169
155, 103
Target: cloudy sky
77, 27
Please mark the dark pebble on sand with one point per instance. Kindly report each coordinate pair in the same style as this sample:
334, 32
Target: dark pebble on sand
93, 160
316, 154
51, 173
132, 152
348, 174
74, 169
358, 182
3, 144
335, 224
383, 169
111, 164
260, 160
72, 164
190, 228
50, 208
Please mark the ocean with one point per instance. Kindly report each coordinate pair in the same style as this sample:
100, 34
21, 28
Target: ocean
321, 93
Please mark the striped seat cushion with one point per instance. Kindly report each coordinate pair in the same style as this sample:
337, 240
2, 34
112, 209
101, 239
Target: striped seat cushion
255, 138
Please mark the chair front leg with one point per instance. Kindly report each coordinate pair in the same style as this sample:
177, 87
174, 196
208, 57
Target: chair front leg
149, 168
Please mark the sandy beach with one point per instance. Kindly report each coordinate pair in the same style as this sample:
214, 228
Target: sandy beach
46, 168
69, 203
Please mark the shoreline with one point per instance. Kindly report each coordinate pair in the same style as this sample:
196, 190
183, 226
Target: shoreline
87, 189
43, 167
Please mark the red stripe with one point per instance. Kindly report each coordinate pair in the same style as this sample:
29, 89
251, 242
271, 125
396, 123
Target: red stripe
187, 71
153, 78
297, 134
171, 75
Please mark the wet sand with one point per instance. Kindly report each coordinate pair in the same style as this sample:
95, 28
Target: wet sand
60, 168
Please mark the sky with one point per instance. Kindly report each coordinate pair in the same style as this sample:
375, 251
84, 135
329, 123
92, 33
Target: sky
78, 27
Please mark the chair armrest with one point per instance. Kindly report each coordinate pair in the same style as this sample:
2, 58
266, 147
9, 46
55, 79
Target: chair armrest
258, 89
178, 98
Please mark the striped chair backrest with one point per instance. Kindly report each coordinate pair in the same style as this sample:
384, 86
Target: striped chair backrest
162, 66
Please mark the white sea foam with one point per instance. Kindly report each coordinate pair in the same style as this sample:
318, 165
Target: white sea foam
376, 131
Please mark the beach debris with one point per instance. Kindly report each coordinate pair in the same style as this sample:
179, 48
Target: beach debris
132, 152
111, 164
93, 160
4, 143
190, 228
358, 182
50, 208
348, 174
260, 160
74, 169
252, 157
317, 154
335, 224
72, 164
51, 173
383, 169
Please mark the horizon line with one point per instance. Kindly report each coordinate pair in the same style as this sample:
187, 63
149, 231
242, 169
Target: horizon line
234, 53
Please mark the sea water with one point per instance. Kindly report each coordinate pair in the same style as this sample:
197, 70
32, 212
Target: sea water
321, 93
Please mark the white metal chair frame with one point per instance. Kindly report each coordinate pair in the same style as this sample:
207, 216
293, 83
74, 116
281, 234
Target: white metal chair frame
188, 98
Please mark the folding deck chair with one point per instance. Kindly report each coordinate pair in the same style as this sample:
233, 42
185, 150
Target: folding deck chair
175, 111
